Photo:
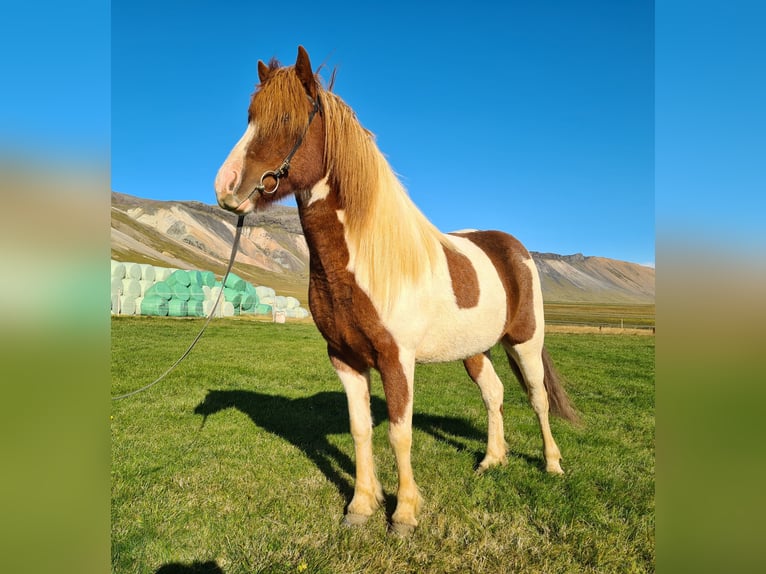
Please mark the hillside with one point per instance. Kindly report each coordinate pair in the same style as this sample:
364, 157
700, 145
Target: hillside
273, 251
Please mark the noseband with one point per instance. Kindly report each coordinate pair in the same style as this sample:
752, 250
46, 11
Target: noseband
281, 171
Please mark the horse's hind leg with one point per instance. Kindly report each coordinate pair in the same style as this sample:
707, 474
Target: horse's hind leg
528, 359
368, 494
480, 369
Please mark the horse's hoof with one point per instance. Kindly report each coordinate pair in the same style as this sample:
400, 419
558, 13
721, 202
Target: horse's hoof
402, 530
352, 520
490, 462
554, 468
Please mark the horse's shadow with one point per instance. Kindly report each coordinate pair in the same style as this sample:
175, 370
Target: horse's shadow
307, 423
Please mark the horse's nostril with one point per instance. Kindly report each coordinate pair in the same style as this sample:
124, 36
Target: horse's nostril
232, 180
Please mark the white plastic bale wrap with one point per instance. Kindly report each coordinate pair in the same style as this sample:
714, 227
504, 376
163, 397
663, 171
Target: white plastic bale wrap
297, 313
207, 306
132, 271
145, 285
292, 303
131, 287
118, 269
264, 291
147, 272
127, 305
161, 273
131, 282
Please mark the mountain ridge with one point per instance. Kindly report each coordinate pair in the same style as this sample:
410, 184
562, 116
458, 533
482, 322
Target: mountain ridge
273, 251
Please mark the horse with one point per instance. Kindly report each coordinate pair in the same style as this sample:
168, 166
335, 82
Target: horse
387, 289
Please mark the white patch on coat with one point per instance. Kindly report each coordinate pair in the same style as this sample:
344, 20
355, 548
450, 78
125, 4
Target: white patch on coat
426, 320
320, 191
234, 162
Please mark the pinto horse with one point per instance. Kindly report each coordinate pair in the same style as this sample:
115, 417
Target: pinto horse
386, 288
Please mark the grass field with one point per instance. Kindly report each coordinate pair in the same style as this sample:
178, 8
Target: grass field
605, 314
241, 461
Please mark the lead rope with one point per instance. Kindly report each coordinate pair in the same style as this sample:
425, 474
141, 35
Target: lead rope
240, 223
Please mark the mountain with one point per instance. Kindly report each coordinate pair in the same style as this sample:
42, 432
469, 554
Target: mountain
273, 251
580, 279
190, 234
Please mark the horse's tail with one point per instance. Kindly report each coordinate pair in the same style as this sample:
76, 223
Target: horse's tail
560, 404
558, 400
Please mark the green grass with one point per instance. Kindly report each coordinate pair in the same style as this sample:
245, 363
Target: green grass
607, 314
241, 461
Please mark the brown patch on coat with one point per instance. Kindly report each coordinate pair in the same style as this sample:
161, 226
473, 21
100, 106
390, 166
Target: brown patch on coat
474, 366
342, 311
465, 282
509, 257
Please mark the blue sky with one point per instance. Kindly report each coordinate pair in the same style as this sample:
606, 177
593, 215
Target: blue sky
535, 118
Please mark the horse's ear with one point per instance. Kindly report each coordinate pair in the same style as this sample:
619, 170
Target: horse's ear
263, 71
305, 73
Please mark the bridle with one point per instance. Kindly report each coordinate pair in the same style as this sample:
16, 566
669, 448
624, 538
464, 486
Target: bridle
284, 167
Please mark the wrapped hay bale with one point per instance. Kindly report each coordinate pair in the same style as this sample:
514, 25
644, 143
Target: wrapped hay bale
234, 281
145, 286
297, 313
131, 287
264, 291
207, 292
196, 308
180, 292
139, 300
232, 296
147, 272
280, 302
116, 286
154, 306
196, 292
292, 303
177, 308
208, 278
161, 273
249, 300
118, 269
127, 305
227, 309
207, 307
262, 309
132, 271
195, 277
179, 277
160, 289
115, 303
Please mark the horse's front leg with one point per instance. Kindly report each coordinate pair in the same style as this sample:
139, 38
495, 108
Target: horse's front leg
368, 494
397, 376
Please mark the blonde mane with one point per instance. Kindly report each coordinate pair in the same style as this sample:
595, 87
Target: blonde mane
392, 243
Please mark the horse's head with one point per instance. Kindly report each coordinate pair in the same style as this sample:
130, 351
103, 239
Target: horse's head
282, 149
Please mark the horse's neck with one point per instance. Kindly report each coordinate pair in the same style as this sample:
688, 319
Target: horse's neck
320, 215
